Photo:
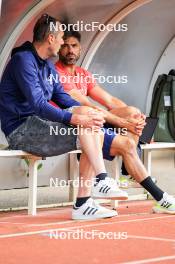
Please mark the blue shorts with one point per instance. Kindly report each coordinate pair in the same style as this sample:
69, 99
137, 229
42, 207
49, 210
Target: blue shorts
109, 135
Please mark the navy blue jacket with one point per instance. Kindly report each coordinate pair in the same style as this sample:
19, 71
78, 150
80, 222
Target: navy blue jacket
27, 85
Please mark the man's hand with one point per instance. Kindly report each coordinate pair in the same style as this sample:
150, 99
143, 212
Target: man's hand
93, 119
143, 116
136, 125
139, 117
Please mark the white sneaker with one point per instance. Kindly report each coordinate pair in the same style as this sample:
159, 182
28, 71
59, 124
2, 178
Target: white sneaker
165, 205
91, 210
108, 189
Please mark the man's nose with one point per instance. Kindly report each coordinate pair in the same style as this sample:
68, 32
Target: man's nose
70, 49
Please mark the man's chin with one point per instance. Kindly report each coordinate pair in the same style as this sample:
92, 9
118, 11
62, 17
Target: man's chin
71, 62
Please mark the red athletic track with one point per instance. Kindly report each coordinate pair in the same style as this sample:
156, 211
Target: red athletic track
25, 239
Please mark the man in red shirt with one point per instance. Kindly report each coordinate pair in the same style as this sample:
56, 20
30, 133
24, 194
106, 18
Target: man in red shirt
79, 84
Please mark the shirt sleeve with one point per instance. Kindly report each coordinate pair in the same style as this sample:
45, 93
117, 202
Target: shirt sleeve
26, 76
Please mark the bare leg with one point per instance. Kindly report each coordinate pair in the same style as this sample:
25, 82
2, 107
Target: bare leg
91, 160
92, 146
86, 176
91, 143
126, 147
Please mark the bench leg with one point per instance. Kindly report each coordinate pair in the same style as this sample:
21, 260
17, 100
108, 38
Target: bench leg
147, 160
73, 175
32, 198
114, 203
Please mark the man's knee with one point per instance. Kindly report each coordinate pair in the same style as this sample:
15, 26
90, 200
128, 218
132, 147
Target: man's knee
129, 145
123, 145
133, 110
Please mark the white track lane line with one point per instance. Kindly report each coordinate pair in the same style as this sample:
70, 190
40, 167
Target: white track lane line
82, 226
150, 260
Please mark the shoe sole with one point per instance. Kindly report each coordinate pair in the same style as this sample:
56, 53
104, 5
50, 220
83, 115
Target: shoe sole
162, 211
95, 218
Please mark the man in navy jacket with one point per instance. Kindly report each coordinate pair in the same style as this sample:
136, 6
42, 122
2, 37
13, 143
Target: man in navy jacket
32, 124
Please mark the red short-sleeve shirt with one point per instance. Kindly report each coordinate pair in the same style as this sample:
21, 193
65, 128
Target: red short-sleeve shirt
81, 80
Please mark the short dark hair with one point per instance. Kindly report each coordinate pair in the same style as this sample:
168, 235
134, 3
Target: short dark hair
42, 27
72, 33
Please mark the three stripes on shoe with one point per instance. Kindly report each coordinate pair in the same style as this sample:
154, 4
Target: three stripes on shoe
105, 189
166, 204
90, 211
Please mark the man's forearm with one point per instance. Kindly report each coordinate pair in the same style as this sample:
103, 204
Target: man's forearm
82, 99
114, 120
115, 103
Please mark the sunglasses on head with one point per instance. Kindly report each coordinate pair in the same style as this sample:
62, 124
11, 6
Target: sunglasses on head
48, 18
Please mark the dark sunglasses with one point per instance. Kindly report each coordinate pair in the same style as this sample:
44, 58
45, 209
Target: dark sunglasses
47, 18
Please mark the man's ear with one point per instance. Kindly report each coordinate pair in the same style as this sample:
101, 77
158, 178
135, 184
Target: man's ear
51, 38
